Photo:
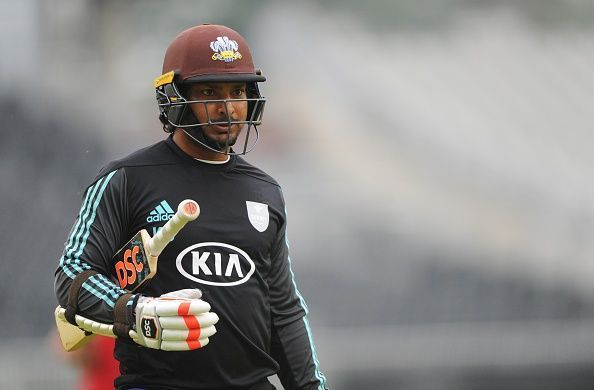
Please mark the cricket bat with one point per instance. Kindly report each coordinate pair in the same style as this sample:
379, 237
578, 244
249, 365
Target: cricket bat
135, 264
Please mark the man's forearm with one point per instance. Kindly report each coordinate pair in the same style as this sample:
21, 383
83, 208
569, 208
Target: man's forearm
293, 348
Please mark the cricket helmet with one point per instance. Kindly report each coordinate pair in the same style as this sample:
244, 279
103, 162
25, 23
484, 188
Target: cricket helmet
208, 54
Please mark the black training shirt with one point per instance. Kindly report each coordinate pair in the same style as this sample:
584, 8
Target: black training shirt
236, 253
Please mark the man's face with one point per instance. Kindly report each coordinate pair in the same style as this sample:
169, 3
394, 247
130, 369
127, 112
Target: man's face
222, 134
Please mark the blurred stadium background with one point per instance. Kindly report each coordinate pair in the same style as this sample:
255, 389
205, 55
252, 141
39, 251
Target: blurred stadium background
436, 157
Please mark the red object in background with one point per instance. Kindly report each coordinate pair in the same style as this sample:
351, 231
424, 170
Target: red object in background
101, 368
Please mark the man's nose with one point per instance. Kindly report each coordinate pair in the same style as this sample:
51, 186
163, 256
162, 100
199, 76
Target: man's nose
226, 109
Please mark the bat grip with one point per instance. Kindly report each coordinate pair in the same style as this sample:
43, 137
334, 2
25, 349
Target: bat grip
188, 210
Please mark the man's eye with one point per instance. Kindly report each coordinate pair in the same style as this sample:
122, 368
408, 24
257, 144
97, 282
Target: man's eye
207, 92
239, 92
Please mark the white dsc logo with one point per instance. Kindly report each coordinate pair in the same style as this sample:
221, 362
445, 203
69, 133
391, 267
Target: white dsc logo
215, 264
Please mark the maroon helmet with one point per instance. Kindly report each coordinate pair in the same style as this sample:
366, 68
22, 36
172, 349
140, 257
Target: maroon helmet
201, 54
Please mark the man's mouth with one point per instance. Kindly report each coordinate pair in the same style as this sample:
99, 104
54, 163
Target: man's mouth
221, 129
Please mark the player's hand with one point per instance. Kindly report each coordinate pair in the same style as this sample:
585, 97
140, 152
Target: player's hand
176, 321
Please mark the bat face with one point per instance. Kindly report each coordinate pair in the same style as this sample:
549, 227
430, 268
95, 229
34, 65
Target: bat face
133, 264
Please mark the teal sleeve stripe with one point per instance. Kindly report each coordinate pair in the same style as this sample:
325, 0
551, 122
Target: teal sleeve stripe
108, 287
71, 263
98, 294
92, 198
93, 215
84, 212
83, 209
318, 372
66, 268
71, 269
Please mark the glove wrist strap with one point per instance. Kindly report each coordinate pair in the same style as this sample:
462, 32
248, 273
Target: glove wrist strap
73, 291
121, 319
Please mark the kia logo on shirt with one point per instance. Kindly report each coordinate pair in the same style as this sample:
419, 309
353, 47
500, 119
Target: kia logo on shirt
215, 264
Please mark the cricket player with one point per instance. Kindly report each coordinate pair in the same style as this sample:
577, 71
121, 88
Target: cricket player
225, 309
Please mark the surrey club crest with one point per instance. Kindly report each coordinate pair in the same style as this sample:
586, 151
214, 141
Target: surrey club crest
258, 215
225, 49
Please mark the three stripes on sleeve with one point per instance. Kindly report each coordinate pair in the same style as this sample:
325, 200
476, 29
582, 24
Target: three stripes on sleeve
71, 262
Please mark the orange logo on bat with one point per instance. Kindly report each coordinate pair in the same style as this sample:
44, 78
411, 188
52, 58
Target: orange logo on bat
127, 268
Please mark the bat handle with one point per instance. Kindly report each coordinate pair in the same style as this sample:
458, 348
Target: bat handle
188, 210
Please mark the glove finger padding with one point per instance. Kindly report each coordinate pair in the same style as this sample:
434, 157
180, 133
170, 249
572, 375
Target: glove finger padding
186, 293
183, 345
172, 307
174, 324
189, 322
182, 335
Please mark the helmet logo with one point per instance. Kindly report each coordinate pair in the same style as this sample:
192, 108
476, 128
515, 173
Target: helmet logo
225, 49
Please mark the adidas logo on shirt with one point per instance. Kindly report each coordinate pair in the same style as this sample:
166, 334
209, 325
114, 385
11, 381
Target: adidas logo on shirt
163, 212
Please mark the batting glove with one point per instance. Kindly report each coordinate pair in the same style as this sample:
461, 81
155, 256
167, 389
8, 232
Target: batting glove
176, 321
